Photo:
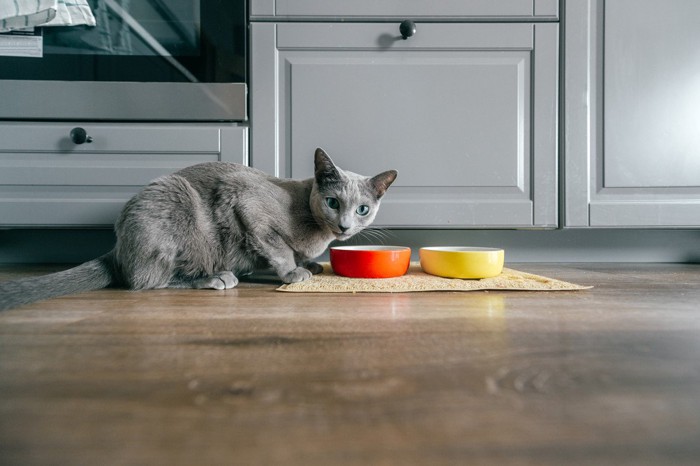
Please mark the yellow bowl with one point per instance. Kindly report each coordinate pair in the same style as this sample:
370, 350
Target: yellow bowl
462, 262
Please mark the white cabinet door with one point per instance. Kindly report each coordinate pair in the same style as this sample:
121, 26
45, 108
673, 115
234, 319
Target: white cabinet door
467, 113
632, 113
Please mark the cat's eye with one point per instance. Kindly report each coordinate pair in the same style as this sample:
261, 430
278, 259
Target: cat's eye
332, 203
362, 210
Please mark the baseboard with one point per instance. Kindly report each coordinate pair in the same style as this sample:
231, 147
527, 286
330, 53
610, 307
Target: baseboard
677, 246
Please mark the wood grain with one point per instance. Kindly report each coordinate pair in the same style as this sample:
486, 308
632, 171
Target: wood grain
253, 376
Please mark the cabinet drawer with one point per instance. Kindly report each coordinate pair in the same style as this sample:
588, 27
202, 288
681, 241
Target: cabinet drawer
48, 180
119, 155
384, 37
143, 138
368, 9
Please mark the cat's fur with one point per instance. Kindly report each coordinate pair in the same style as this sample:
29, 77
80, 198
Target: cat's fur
205, 224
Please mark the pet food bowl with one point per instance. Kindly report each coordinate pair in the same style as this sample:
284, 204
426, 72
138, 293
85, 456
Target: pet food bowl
370, 261
462, 262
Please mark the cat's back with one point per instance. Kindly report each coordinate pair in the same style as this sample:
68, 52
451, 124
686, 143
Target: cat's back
213, 172
212, 177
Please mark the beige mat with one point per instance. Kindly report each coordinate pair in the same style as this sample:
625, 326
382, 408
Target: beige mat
417, 280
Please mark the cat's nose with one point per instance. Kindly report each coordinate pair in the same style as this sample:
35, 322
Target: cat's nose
343, 229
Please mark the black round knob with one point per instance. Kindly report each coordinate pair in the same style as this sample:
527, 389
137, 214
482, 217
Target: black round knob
407, 28
80, 136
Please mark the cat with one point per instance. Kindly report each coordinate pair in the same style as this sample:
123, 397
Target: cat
205, 225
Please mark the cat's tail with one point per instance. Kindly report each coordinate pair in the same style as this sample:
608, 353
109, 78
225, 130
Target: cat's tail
92, 275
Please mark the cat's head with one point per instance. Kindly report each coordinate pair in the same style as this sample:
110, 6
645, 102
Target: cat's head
343, 201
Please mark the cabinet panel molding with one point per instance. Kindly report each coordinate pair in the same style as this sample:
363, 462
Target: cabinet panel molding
545, 8
645, 214
455, 212
652, 94
483, 128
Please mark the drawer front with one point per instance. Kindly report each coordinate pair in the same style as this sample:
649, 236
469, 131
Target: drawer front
385, 37
368, 9
48, 180
144, 138
119, 155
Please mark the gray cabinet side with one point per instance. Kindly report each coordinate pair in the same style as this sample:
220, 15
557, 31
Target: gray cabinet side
579, 107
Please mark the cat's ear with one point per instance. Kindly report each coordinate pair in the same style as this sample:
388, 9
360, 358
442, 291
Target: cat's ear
381, 182
325, 169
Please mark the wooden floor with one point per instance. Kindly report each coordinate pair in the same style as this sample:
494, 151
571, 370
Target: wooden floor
609, 376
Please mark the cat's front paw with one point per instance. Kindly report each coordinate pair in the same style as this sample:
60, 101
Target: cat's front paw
314, 267
219, 281
297, 275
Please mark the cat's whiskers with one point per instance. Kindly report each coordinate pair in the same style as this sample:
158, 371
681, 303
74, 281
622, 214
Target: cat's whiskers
379, 235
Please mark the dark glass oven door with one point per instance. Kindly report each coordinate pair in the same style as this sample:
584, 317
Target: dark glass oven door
144, 60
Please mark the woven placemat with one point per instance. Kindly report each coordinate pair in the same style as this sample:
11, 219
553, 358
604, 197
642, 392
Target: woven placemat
417, 280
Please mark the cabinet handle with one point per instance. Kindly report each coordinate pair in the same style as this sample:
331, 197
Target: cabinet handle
80, 136
407, 28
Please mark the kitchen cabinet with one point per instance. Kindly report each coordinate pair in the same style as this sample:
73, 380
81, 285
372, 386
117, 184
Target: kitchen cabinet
632, 107
51, 176
466, 110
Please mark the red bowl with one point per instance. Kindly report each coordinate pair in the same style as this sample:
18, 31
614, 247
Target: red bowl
370, 261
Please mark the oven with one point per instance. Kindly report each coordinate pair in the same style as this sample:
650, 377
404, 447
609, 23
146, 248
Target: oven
144, 60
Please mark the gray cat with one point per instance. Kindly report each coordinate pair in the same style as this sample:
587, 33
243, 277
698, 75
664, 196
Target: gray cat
204, 225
